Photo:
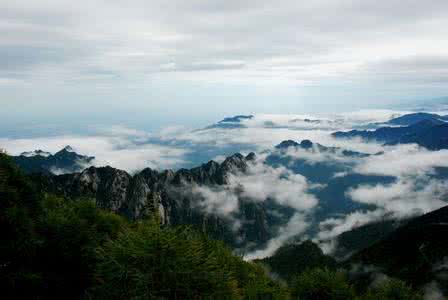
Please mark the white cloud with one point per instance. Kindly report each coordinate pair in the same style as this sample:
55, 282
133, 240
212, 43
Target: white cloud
295, 227
119, 148
406, 197
332, 227
403, 160
215, 200
264, 131
258, 184
262, 182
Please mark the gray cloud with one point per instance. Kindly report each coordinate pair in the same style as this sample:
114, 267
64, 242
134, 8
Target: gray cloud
294, 40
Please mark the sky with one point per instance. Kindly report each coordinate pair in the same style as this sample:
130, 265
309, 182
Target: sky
66, 65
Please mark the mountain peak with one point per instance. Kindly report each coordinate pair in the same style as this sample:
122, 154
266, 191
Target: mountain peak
251, 156
287, 144
410, 119
236, 119
306, 144
68, 148
35, 153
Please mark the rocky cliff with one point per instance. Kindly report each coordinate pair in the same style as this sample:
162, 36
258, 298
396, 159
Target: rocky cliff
169, 194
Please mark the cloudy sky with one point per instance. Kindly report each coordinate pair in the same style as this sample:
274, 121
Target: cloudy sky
148, 64
133, 82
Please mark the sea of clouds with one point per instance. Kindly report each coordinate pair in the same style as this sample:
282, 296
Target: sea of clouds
415, 188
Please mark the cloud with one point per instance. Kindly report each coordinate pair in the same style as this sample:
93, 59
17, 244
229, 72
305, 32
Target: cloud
216, 200
121, 131
330, 228
174, 146
200, 36
405, 197
295, 227
202, 66
403, 160
414, 191
262, 182
264, 131
156, 61
119, 147
432, 291
258, 184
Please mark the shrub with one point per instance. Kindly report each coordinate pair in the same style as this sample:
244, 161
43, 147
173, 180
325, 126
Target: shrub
321, 284
392, 289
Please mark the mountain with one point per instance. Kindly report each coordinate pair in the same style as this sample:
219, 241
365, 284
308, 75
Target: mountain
416, 252
362, 237
174, 194
428, 133
410, 119
435, 138
171, 194
293, 259
329, 167
316, 147
35, 153
63, 161
231, 122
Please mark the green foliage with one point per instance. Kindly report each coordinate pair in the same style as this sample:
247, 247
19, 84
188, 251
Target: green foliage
150, 261
19, 211
147, 261
292, 259
322, 284
56, 248
71, 232
392, 289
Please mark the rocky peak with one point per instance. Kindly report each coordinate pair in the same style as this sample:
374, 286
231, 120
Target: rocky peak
287, 144
183, 176
306, 144
207, 173
251, 156
35, 153
151, 176
68, 148
234, 163
149, 191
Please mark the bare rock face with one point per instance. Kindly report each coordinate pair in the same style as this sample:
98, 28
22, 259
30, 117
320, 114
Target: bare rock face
63, 161
168, 194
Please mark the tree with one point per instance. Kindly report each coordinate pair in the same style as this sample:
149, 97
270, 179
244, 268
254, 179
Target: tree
392, 289
321, 284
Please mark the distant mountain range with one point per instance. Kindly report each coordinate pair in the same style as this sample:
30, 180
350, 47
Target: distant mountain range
170, 192
410, 119
231, 122
63, 161
427, 130
316, 147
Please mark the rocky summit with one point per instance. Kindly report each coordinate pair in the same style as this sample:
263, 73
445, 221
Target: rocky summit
169, 194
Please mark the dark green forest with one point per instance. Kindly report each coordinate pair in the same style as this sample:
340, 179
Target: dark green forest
55, 248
